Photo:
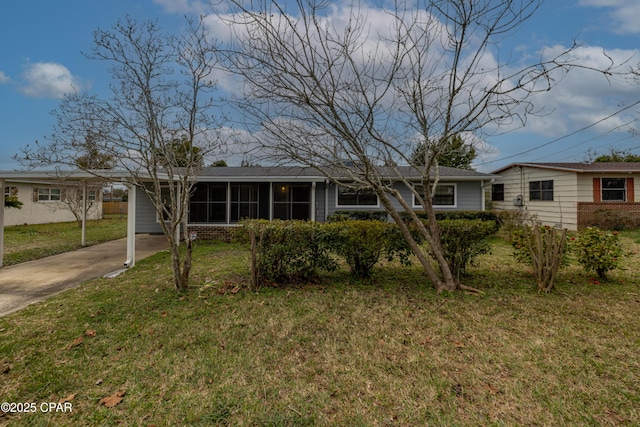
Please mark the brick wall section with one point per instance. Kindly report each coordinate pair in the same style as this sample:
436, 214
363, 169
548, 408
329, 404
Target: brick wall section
609, 215
212, 232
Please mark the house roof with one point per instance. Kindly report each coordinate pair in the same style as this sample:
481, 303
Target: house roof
251, 173
289, 172
595, 167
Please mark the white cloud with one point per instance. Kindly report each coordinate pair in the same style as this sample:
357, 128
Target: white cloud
579, 99
584, 96
626, 14
4, 78
48, 80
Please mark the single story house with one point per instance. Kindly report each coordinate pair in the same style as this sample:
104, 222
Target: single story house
46, 201
223, 196
570, 195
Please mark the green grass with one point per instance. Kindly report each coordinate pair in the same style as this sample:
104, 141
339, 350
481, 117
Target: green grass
391, 352
28, 242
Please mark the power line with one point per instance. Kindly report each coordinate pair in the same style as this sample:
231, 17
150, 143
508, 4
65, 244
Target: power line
564, 136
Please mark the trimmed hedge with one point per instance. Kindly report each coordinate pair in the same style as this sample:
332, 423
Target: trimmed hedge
466, 215
358, 216
463, 240
363, 243
286, 251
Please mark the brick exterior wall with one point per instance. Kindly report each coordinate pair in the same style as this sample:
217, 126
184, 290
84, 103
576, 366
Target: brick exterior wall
213, 232
608, 215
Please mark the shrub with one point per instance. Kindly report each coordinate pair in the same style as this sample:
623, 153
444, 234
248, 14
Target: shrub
542, 248
488, 216
358, 215
598, 250
285, 251
463, 240
363, 243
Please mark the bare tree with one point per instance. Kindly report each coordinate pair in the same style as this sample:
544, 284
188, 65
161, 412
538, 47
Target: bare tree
74, 200
160, 95
364, 88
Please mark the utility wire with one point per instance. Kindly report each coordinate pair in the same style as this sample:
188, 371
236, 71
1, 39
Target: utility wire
564, 136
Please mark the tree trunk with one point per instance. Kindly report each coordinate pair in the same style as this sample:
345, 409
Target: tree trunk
415, 247
181, 268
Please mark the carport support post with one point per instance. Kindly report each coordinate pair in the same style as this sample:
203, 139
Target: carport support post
131, 227
2, 223
84, 214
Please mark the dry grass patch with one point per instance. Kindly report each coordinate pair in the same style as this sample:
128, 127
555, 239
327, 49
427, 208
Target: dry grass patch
391, 352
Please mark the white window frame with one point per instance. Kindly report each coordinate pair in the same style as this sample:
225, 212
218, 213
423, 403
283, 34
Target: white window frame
602, 190
338, 205
47, 192
417, 205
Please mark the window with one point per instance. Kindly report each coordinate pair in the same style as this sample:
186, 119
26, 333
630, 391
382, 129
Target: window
614, 189
291, 201
497, 193
208, 203
350, 197
541, 190
49, 194
445, 195
10, 191
244, 201
91, 196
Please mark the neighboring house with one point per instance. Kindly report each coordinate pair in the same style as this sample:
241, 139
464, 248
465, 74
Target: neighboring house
46, 202
571, 195
224, 195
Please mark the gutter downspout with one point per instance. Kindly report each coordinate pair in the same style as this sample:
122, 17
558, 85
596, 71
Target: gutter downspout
313, 201
326, 199
131, 227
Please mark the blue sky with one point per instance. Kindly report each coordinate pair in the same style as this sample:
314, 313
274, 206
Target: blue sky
41, 59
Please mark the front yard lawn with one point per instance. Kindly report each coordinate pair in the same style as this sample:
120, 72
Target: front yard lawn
28, 242
387, 353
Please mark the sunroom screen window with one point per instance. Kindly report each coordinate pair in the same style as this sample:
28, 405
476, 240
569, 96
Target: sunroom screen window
291, 201
208, 203
244, 201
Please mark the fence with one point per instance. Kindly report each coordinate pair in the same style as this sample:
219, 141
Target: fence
114, 208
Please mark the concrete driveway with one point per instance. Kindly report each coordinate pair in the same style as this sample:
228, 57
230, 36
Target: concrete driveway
33, 281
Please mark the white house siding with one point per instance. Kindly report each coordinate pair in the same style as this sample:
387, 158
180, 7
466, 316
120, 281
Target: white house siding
561, 211
44, 212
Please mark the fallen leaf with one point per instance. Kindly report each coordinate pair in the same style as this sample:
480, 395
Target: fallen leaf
90, 333
492, 389
164, 314
113, 400
76, 342
459, 344
98, 382
68, 398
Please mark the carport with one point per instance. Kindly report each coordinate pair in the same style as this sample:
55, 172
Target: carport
82, 178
